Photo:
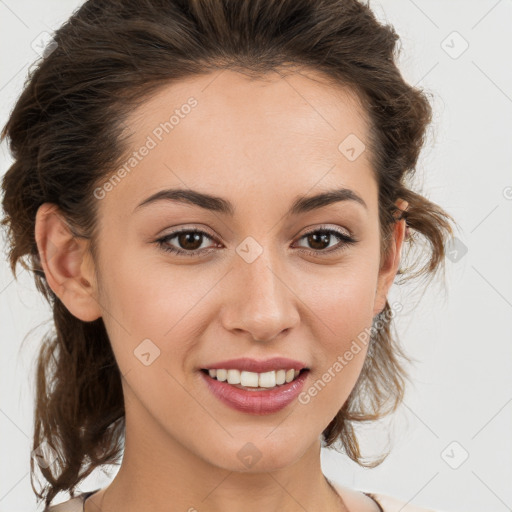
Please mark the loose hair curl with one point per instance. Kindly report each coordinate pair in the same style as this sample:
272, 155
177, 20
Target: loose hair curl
65, 135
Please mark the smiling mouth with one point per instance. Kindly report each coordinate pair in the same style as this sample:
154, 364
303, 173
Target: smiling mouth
252, 381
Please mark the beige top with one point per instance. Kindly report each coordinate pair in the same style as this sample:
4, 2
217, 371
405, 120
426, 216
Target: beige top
355, 500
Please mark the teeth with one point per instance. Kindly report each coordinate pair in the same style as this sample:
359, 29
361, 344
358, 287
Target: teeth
233, 376
249, 379
253, 379
267, 379
280, 377
222, 375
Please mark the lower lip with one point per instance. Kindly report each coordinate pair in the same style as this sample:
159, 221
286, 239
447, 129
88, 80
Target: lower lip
256, 402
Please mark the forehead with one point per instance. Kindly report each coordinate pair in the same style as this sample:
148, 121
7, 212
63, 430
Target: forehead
227, 130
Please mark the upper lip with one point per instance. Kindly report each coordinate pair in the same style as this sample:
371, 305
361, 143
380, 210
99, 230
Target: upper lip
261, 366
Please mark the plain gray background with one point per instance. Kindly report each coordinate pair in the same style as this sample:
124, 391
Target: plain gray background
460, 406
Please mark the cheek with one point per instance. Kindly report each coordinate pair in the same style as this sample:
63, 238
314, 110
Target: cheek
344, 297
342, 311
151, 301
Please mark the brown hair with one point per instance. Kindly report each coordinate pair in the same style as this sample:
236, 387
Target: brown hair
65, 135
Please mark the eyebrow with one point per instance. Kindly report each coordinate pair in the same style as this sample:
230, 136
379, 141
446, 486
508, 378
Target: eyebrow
217, 204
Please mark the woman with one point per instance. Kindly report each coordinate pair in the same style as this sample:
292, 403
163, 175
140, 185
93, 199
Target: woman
213, 197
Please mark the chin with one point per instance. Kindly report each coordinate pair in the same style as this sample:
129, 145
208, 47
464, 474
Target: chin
257, 454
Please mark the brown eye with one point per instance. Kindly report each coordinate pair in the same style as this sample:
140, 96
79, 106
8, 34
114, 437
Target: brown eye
189, 242
320, 239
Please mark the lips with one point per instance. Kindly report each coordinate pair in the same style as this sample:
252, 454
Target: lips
256, 402
257, 366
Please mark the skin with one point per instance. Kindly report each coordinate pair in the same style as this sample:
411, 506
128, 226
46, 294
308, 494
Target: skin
259, 144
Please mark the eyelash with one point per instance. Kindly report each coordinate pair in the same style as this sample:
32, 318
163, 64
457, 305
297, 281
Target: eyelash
345, 241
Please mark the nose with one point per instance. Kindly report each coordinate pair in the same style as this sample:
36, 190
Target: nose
259, 299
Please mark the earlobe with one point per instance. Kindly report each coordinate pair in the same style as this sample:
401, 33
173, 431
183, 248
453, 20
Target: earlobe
66, 261
390, 267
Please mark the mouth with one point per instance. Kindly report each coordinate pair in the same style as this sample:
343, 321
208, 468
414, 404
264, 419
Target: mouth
252, 381
266, 396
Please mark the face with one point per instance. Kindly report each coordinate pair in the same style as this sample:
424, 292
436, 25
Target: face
258, 279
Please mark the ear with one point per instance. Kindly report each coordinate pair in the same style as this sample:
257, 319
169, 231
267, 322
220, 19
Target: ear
389, 267
67, 264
